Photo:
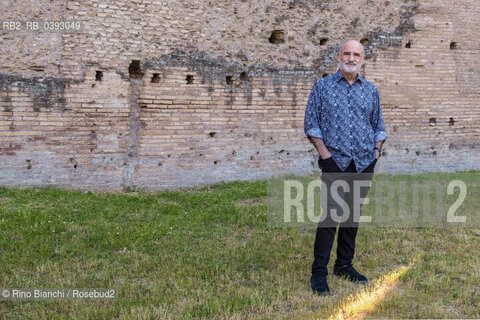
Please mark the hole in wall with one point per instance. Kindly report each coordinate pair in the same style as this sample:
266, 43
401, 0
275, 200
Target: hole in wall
324, 75
29, 164
364, 41
37, 68
323, 41
453, 45
408, 45
417, 153
277, 37
432, 121
229, 80
244, 76
155, 78
451, 122
98, 76
189, 79
215, 162
212, 134
135, 70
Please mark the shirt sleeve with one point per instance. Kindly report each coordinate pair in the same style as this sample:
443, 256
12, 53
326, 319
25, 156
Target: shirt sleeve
311, 124
377, 119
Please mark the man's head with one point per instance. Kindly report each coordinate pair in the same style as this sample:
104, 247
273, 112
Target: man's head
351, 57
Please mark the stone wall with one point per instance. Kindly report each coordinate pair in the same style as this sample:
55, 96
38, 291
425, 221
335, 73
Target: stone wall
165, 94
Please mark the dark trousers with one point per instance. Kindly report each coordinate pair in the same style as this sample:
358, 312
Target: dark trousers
347, 230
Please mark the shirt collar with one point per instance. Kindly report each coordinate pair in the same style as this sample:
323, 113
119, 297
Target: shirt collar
339, 75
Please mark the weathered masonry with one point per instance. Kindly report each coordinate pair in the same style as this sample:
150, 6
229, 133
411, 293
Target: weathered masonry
164, 94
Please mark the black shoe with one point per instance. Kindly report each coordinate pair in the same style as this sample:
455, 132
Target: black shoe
319, 284
350, 273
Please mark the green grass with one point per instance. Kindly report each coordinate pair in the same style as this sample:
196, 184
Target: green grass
210, 253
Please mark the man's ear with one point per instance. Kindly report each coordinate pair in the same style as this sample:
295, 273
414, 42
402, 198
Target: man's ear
338, 57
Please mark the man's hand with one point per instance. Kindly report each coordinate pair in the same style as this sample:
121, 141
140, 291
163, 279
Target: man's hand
378, 147
326, 155
321, 148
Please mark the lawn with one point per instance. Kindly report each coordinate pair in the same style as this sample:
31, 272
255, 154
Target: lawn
210, 253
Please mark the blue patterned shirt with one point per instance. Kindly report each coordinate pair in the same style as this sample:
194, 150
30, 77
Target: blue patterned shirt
347, 117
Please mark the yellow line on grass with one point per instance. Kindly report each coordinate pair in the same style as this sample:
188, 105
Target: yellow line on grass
358, 305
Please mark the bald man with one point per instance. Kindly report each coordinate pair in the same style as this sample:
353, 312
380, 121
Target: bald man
344, 121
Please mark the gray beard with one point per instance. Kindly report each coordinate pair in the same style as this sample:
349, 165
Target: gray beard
357, 68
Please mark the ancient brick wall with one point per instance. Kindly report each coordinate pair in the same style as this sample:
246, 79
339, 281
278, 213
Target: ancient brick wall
164, 94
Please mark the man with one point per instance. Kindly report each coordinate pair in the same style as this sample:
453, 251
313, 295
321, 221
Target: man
344, 121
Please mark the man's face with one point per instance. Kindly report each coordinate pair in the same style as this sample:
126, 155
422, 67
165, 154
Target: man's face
351, 57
